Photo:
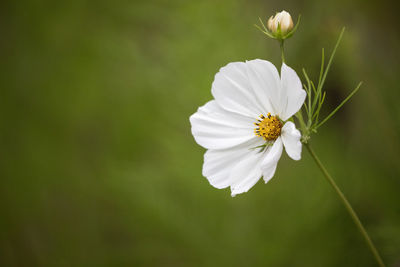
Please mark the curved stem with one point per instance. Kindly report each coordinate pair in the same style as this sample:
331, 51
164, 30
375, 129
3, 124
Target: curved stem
348, 207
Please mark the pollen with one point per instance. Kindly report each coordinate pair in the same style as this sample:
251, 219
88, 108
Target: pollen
268, 127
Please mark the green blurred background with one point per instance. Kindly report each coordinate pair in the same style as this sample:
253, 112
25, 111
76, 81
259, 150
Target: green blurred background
98, 166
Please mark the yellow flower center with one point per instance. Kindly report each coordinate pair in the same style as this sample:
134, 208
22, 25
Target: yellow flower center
268, 127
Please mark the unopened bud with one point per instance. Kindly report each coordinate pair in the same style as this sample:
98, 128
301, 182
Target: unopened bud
281, 24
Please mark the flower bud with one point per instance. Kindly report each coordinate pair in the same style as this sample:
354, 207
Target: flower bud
282, 20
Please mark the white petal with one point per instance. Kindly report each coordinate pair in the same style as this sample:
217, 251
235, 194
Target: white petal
246, 173
232, 90
292, 95
216, 128
266, 84
218, 164
268, 166
291, 140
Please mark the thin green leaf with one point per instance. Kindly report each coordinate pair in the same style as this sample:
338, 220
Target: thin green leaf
313, 87
299, 116
309, 93
262, 23
306, 76
263, 147
305, 87
338, 107
316, 114
320, 105
305, 106
316, 97
320, 85
294, 29
264, 30
258, 27
322, 67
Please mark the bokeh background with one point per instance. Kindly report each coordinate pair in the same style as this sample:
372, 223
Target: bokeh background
98, 166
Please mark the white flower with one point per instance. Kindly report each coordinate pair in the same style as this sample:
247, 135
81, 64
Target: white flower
248, 93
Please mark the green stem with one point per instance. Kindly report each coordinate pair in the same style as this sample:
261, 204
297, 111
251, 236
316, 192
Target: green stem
346, 203
282, 51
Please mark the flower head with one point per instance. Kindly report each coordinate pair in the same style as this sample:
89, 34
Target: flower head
281, 22
279, 27
245, 127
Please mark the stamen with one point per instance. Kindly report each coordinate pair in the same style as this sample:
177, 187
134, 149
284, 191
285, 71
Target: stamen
269, 127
